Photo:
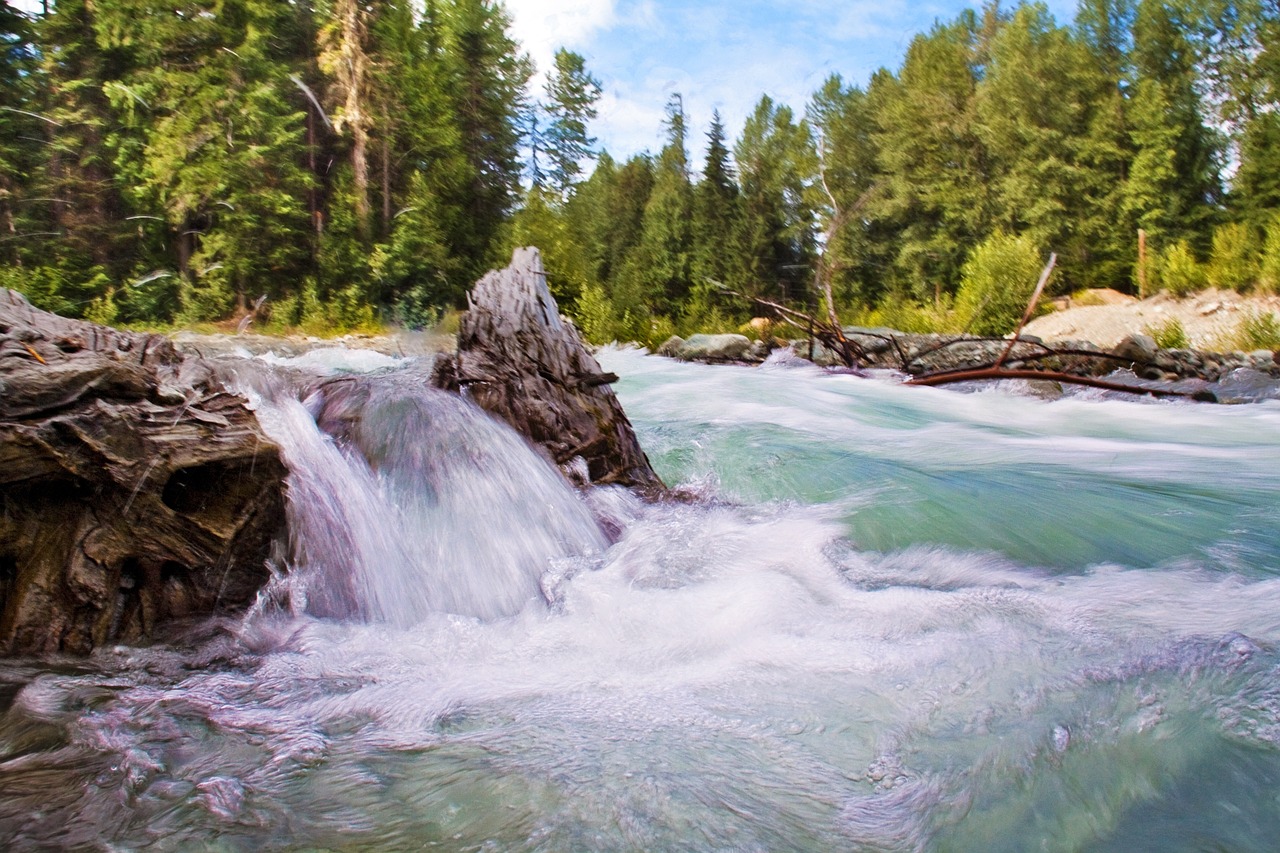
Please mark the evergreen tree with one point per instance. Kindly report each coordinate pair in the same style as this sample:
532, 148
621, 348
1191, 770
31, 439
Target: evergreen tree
20, 130
716, 212
607, 212
937, 187
219, 132
572, 94
90, 246
1037, 107
1175, 184
777, 164
488, 78
655, 278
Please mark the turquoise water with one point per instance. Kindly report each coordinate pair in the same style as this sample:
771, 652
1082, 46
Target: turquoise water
892, 619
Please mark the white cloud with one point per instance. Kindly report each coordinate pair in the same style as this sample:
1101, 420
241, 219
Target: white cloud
544, 26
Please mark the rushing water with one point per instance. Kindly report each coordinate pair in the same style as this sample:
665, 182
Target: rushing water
896, 619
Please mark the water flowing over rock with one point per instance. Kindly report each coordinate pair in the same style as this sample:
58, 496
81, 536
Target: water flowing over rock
520, 360
134, 490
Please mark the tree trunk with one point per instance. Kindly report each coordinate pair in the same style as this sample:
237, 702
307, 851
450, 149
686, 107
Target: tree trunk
521, 361
134, 490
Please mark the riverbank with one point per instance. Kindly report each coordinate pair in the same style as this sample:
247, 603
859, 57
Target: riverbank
1211, 320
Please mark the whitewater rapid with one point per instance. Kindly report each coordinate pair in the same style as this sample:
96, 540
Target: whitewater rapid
894, 619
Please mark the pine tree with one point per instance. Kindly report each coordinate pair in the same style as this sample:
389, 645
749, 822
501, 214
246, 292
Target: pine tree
488, 79
1036, 107
20, 130
219, 131
90, 246
1175, 183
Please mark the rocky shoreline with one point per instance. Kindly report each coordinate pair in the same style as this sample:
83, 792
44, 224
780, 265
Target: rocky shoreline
918, 355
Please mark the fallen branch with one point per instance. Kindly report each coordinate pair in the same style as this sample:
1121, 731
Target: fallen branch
1031, 307
995, 373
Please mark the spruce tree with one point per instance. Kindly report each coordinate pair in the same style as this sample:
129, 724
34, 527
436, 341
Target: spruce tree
716, 212
777, 164
572, 94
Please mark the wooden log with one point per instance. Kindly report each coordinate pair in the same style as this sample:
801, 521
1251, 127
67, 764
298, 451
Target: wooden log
135, 492
520, 360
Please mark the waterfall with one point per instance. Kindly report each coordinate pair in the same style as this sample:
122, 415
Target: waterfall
415, 502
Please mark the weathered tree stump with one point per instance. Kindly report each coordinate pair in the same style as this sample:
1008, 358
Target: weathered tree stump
134, 490
519, 360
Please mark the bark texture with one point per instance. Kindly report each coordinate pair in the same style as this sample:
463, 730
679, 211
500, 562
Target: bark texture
519, 360
134, 490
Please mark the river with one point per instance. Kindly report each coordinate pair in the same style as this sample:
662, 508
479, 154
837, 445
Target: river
888, 618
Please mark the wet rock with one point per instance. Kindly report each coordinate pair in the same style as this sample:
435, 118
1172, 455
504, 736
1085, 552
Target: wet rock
134, 489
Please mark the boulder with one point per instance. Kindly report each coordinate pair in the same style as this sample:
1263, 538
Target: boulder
670, 347
725, 347
1136, 348
135, 491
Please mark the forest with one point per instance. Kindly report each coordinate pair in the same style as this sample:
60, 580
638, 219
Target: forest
346, 165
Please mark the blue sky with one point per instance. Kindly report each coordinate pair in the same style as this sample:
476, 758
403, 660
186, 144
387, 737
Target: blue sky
721, 53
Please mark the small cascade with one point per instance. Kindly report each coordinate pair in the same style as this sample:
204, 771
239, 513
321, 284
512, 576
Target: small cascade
405, 501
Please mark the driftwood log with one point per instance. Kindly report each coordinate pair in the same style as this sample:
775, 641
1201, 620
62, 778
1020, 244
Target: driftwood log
134, 490
520, 360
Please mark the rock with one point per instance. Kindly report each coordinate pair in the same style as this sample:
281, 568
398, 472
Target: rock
134, 490
758, 352
671, 346
726, 347
1137, 348
519, 360
1263, 359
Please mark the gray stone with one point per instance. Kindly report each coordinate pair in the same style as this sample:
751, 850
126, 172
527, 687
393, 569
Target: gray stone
726, 347
671, 347
1136, 347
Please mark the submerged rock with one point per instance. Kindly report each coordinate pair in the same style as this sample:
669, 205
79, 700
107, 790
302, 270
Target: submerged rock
134, 489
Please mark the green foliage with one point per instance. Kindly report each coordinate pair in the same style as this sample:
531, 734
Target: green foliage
896, 312
1258, 331
1269, 263
1234, 261
997, 282
1177, 270
708, 310
355, 161
572, 94
1169, 335
595, 315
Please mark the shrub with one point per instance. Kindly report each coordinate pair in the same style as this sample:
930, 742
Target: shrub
1269, 264
894, 312
1233, 262
1177, 270
1169, 335
1258, 331
996, 283
595, 315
